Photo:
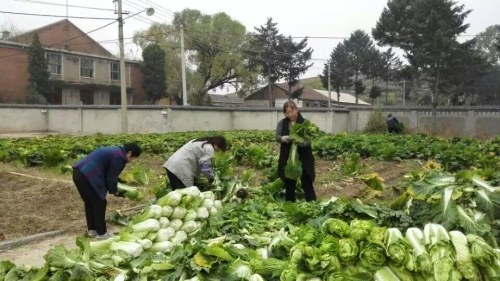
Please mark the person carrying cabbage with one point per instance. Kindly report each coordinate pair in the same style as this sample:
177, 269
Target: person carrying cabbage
193, 159
96, 175
304, 151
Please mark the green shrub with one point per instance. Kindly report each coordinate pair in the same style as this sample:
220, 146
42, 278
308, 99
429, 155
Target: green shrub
376, 122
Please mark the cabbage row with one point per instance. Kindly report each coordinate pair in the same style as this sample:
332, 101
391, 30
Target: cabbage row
193, 235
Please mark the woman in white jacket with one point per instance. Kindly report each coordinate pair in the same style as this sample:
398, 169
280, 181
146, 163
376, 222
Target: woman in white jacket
193, 159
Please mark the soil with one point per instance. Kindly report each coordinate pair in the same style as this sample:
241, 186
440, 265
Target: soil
332, 182
31, 206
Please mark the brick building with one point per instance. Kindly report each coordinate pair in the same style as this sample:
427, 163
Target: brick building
82, 71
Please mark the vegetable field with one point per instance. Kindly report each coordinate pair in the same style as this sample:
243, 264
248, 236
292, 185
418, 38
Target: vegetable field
391, 208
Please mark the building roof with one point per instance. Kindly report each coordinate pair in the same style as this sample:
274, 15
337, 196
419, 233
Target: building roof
23, 45
344, 97
228, 99
18, 37
307, 94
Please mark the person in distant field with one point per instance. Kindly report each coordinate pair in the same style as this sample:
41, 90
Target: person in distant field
392, 124
192, 159
292, 116
95, 176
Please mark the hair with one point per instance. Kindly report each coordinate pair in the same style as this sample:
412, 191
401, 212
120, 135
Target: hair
220, 141
289, 104
390, 115
134, 148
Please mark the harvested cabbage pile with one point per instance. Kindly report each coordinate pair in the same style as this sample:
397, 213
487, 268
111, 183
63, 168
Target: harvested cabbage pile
190, 235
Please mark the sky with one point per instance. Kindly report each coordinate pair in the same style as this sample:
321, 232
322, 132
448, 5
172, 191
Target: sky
317, 18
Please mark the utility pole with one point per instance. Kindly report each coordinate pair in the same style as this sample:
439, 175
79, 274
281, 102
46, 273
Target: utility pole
183, 62
123, 82
66, 9
270, 87
404, 92
329, 86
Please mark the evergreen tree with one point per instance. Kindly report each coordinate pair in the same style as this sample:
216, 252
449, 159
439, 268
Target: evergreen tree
375, 92
426, 30
295, 61
39, 80
340, 73
153, 71
390, 65
359, 88
266, 47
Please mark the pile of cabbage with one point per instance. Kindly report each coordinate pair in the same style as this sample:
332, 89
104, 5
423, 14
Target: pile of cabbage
170, 221
151, 235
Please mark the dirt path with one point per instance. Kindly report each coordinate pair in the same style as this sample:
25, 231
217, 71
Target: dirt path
32, 254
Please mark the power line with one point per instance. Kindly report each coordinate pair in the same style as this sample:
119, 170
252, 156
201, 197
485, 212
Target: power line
64, 5
84, 34
55, 16
347, 37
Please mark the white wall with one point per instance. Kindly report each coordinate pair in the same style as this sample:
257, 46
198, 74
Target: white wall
158, 119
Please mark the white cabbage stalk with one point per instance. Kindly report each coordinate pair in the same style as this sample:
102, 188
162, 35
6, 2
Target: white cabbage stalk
208, 203
147, 225
178, 213
263, 253
213, 211
189, 226
192, 191
164, 222
166, 211
217, 204
162, 247
165, 234
131, 248
171, 199
120, 277
151, 236
256, 277
208, 195
191, 215
179, 237
176, 224
145, 243
202, 213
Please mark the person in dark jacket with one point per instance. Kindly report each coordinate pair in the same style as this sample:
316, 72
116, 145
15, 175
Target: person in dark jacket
292, 116
95, 176
392, 124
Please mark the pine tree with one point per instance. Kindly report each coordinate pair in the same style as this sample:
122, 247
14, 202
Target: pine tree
340, 73
153, 70
39, 80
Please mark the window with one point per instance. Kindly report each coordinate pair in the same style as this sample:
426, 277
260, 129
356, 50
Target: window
115, 98
54, 62
87, 97
115, 71
87, 68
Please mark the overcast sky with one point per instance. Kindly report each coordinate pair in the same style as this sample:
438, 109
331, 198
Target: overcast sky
333, 18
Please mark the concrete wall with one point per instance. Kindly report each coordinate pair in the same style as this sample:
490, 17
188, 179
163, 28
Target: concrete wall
158, 119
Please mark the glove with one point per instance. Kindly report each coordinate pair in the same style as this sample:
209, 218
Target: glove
121, 181
211, 181
285, 138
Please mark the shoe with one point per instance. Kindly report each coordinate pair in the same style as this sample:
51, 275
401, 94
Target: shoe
104, 236
91, 233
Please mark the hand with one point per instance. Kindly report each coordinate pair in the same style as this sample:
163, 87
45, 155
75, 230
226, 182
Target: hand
285, 139
211, 181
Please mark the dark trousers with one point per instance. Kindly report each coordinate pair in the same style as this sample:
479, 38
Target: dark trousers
307, 186
394, 130
95, 207
175, 182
